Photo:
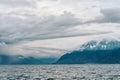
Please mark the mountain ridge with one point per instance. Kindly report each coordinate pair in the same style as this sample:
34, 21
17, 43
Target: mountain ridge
19, 59
94, 55
105, 44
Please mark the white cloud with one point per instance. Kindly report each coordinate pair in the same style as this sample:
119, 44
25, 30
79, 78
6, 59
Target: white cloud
16, 3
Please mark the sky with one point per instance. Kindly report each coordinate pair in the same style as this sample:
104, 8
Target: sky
50, 28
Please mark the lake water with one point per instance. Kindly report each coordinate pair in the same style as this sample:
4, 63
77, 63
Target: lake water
60, 72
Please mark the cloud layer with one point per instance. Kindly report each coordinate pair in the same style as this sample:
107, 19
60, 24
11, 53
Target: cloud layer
35, 21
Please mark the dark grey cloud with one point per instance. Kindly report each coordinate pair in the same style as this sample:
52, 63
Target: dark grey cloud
111, 15
108, 16
14, 29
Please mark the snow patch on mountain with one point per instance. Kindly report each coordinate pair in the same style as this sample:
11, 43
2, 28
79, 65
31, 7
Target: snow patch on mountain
104, 44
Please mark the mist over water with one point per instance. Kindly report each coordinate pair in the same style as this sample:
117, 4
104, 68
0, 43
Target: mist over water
60, 72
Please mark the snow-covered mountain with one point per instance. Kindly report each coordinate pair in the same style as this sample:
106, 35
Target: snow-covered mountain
104, 44
105, 51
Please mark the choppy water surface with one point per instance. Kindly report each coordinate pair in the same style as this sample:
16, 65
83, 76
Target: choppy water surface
60, 72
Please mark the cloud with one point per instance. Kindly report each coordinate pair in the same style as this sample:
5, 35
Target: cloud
20, 3
108, 16
57, 21
14, 29
111, 15
44, 51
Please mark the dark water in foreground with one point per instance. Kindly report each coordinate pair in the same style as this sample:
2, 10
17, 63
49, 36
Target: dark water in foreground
60, 72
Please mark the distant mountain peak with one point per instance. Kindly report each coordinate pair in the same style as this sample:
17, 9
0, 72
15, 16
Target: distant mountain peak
104, 44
